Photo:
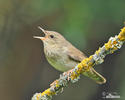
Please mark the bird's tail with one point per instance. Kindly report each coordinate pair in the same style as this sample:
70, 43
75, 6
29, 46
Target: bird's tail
95, 76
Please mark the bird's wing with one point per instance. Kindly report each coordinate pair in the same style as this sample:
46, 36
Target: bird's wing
77, 56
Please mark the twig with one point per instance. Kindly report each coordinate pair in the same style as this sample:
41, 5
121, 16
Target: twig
73, 75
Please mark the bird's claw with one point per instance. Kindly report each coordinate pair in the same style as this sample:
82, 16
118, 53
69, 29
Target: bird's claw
54, 83
68, 74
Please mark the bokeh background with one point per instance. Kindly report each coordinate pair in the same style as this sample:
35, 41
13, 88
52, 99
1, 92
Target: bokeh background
87, 24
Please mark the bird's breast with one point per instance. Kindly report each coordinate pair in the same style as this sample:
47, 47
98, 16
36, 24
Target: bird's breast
60, 60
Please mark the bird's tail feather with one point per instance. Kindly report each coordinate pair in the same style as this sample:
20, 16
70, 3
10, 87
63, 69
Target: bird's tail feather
95, 76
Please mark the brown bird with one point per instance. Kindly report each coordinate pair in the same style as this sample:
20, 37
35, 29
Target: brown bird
63, 56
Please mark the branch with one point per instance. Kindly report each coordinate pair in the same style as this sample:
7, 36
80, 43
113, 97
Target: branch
73, 75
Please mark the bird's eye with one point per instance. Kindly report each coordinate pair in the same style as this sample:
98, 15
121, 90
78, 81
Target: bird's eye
52, 36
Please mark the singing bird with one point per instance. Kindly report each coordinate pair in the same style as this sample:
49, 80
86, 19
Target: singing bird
63, 56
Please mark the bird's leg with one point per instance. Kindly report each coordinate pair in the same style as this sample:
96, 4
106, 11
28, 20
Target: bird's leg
65, 73
68, 73
54, 83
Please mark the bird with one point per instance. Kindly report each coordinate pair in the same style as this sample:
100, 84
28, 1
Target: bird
63, 56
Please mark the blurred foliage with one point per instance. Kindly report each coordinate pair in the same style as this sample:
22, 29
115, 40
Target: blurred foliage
85, 23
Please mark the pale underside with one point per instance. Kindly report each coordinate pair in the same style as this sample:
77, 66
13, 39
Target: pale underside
62, 64
63, 58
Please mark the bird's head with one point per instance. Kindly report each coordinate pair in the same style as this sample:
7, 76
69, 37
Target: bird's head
51, 37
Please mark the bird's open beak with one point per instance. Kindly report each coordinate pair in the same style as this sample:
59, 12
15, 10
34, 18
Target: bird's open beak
41, 38
38, 37
44, 31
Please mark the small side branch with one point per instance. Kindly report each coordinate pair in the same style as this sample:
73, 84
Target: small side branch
73, 75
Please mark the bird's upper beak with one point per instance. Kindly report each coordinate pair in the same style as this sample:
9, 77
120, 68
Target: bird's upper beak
41, 38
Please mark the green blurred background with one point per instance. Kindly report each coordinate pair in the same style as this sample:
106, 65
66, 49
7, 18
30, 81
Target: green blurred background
87, 24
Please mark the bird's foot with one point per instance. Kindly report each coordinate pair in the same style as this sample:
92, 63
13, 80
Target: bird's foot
68, 74
54, 83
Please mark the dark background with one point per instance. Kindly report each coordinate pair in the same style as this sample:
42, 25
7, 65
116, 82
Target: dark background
87, 24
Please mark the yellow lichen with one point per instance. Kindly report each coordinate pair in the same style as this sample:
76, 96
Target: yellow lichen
80, 67
121, 35
74, 75
38, 96
48, 92
115, 48
84, 64
87, 64
108, 45
114, 42
89, 61
97, 52
57, 83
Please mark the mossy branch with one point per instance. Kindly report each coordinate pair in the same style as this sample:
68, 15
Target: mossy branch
112, 45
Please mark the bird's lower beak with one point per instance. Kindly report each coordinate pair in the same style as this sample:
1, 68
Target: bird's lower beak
41, 38
38, 37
